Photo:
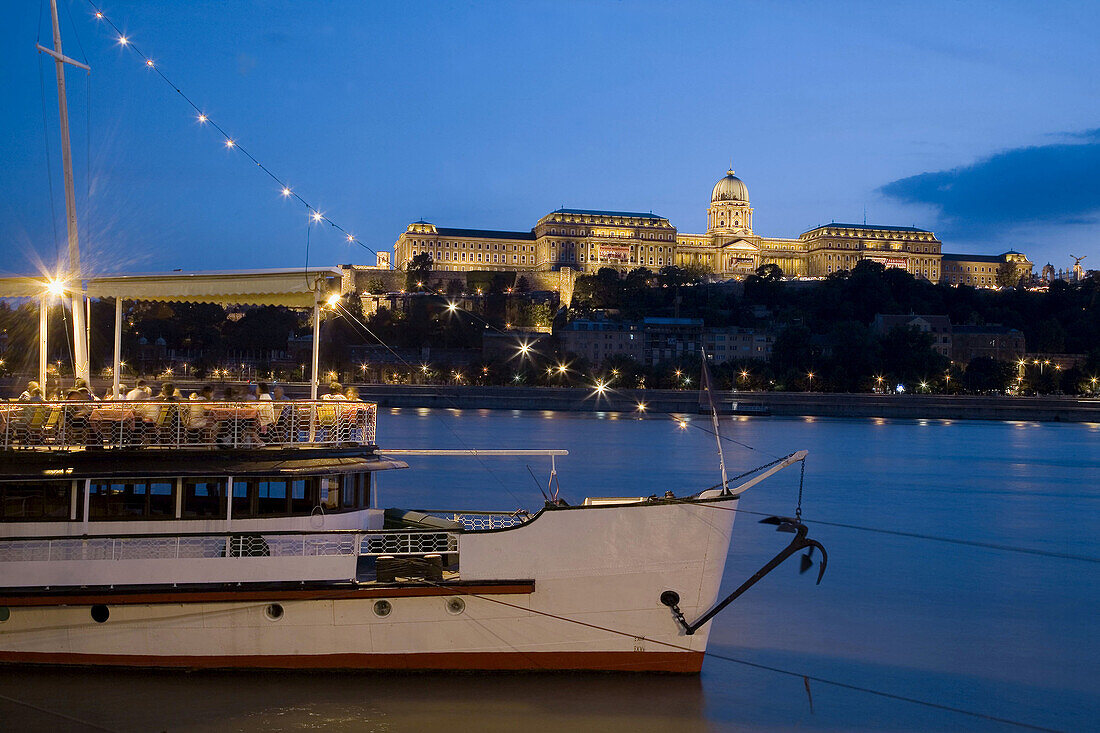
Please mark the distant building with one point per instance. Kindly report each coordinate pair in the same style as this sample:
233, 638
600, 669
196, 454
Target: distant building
993, 341
980, 271
656, 340
596, 340
939, 327
585, 240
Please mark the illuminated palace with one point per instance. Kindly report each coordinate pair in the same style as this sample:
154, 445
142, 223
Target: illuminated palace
586, 240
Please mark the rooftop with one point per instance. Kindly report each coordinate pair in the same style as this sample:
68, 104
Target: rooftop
868, 227
974, 258
597, 212
484, 233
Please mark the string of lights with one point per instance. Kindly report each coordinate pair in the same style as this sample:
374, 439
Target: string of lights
316, 216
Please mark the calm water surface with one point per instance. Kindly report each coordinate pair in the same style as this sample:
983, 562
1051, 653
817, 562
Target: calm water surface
1008, 634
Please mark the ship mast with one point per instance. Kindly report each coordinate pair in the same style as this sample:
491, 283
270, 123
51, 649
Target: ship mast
74, 281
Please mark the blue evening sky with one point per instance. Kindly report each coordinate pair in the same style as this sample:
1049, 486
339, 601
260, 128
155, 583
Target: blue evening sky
980, 121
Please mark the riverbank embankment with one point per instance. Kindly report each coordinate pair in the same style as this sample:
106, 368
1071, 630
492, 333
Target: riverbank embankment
942, 407
1053, 408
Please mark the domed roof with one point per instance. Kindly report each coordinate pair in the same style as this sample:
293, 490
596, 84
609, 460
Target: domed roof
730, 188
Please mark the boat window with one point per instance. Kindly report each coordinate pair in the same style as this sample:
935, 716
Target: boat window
132, 500
204, 497
35, 500
303, 495
363, 489
331, 493
348, 498
271, 497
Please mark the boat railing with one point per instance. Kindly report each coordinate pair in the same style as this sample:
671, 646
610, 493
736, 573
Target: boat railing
186, 424
476, 521
406, 543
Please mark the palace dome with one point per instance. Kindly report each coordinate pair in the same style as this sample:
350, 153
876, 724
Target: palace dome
730, 188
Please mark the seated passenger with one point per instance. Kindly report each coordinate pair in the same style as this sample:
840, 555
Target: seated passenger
335, 392
139, 392
31, 387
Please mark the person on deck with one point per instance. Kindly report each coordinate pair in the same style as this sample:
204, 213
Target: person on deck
31, 387
140, 392
335, 392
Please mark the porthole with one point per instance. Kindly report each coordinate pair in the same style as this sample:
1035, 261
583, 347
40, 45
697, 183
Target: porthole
382, 608
100, 613
5, 614
455, 606
274, 612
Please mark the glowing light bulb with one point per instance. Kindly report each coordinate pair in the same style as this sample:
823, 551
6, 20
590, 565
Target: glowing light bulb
317, 216
149, 63
452, 307
351, 237
202, 117
230, 143
286, 192
641, 407
55, 288
333, 300
123, 40
98, 15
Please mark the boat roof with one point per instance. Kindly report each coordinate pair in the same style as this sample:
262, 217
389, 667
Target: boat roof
145, 463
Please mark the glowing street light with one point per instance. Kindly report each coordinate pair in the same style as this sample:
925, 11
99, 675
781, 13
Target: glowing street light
641, 407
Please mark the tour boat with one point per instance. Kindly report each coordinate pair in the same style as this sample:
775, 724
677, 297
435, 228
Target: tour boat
148, 534
203, 534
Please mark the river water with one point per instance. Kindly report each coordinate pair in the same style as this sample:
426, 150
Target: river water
1001, 633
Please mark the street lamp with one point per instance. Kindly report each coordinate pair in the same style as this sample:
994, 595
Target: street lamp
810, 380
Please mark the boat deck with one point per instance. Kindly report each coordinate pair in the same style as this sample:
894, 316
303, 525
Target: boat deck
189, 424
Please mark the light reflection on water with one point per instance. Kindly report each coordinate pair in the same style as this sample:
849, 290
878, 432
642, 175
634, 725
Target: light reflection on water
1003, 633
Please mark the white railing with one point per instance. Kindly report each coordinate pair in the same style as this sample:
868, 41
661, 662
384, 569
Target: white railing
408, 543
236, 545
186, 424
474, 521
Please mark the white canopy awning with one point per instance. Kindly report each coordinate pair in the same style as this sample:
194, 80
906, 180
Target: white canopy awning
23, 287
296, 288
293, 288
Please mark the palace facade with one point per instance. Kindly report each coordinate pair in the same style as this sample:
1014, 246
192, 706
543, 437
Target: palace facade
586, 240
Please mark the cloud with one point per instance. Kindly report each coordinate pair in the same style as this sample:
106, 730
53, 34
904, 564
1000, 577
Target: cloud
1051, 184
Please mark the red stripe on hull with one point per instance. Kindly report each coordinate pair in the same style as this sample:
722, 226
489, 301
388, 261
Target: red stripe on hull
676, 662
122, 597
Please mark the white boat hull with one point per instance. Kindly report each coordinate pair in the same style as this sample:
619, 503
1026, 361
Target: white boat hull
570, 589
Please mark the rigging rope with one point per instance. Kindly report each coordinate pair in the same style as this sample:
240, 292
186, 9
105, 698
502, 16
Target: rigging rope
756, 665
